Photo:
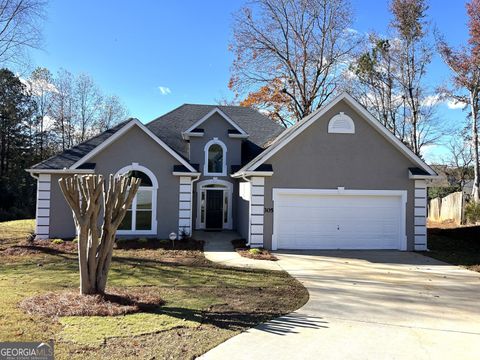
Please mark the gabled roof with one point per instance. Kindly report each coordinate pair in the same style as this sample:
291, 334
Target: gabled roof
215, 110
167, 131
85, 151
291, 133
169, 127
69, 157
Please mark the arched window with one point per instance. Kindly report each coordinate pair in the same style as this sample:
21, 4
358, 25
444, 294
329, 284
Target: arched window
141, 216
215, 158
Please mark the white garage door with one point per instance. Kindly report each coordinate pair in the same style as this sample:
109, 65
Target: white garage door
331, 219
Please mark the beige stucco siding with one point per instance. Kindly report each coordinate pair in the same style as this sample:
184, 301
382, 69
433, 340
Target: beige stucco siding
316, 159
135, 146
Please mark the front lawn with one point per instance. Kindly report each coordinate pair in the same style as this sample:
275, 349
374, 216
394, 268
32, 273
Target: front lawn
455, 245
205, 304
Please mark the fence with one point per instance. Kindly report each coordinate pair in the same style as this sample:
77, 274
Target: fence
449, 208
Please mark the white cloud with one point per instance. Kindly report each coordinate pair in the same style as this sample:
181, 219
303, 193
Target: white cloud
455, 104
164, 90
431, 100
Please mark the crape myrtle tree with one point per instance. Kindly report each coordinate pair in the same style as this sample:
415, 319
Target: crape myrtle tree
87, 197
464, 63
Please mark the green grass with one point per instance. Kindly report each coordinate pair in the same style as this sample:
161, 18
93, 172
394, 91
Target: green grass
93, 330
13, 231
205, 304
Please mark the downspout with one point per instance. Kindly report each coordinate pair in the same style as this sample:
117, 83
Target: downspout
249, 208
192, 180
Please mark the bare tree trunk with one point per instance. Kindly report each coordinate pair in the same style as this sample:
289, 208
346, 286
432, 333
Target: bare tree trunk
476, 164
84, 194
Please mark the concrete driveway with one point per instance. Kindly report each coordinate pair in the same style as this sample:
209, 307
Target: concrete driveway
370, 305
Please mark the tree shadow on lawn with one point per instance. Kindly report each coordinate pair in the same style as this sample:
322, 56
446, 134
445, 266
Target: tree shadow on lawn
272, 322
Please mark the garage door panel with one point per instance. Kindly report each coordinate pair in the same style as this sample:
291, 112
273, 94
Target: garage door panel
305, 221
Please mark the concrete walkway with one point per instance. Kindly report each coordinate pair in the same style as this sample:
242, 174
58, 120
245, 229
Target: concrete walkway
369, 305
218, 248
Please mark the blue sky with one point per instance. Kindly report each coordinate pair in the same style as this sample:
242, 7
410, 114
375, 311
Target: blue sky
132, 48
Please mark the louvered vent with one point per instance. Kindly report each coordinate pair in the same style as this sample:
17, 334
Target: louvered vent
341, 124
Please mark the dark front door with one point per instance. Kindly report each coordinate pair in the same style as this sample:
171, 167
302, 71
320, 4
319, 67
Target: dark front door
214, 213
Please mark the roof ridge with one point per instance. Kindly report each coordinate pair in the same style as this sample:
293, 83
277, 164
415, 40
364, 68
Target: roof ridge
167, 113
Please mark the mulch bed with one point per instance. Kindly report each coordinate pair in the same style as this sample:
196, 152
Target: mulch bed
25, 248
146, 243
118, 301
240, 246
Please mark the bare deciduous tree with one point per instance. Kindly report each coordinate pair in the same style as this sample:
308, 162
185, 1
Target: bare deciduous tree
460, 160
289, 54
111, 111
86, 196
62, 109
88, 102
19, 28
465, 66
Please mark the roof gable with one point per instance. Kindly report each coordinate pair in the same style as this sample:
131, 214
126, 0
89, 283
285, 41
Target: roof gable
169, 127
133, 122
304, 124
215, 110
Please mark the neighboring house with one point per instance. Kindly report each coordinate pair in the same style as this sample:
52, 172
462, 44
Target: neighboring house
449, 177
336, 180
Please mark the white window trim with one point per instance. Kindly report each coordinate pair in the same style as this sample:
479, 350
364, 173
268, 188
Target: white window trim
154, 188
201, 186
402, 241
215, 141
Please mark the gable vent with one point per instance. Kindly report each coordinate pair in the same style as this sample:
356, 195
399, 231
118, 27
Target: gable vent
341, 124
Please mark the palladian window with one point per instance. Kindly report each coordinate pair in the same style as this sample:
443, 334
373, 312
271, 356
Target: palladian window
140, 217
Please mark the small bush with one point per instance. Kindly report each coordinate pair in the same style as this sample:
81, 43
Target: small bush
57, 241
142, 240
255, 251
75, 241
472, 212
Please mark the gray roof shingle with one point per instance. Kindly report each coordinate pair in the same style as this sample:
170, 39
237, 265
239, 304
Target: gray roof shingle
169, 128
69, 157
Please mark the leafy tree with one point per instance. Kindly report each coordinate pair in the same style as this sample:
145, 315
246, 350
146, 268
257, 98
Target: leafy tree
465, 66
16, 114
290, 54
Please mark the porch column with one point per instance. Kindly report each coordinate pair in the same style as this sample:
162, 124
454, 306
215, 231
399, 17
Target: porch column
185, 206
256, 211
420, 215
42, 223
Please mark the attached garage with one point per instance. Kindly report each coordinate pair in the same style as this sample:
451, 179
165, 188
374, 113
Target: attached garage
339, 219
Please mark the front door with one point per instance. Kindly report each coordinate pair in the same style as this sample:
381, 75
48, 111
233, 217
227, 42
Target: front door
214, 213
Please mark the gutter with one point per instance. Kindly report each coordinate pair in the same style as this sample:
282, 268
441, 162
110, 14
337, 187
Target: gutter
60, 171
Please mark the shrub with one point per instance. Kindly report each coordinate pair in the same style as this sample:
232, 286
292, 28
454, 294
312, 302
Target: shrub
142, 240
472, 212
75, 241
255, 251
57, 241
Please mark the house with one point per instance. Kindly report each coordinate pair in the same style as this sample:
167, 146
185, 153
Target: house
336, 180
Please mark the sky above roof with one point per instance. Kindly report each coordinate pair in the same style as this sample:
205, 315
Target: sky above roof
157, 55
